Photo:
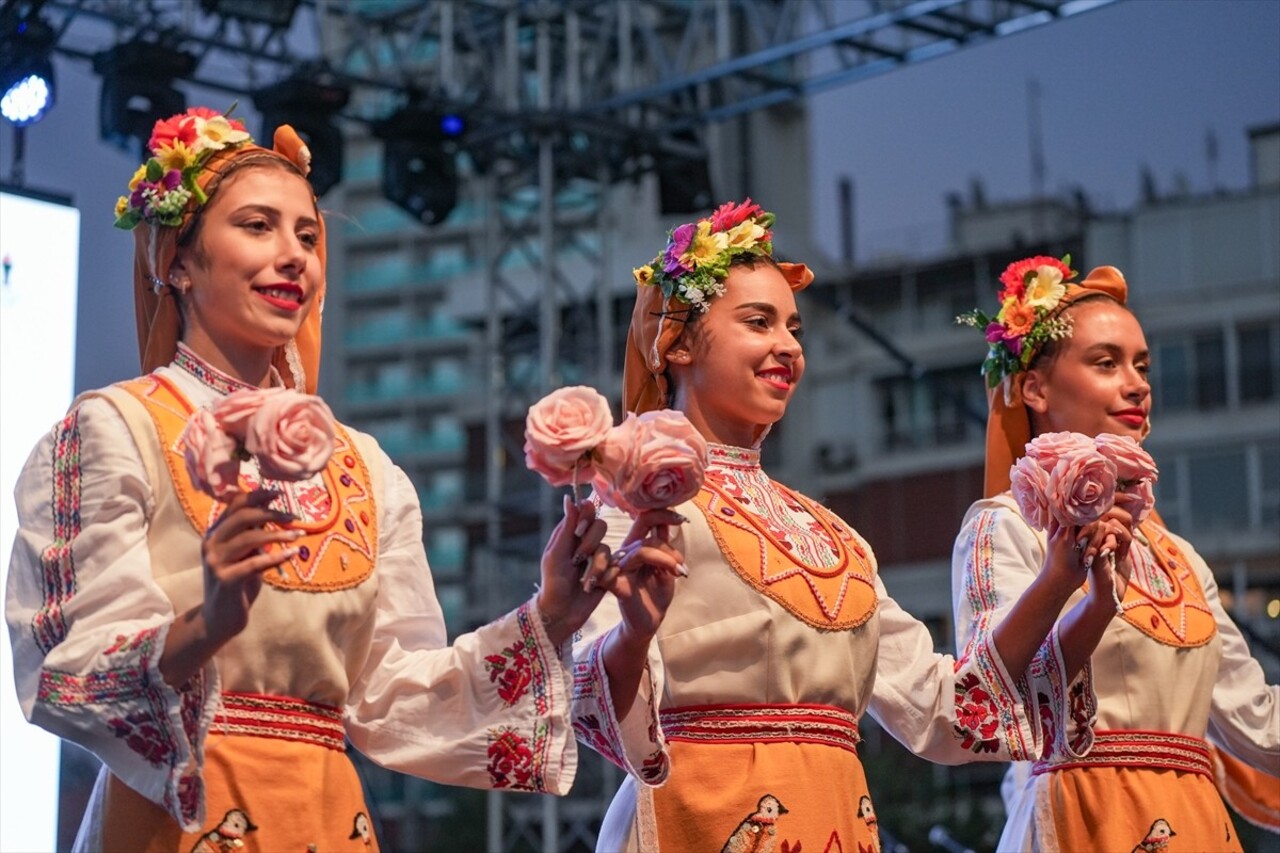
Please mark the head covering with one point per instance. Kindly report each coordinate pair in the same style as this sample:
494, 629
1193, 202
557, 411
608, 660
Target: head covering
1008, 424
156, 245
684, 277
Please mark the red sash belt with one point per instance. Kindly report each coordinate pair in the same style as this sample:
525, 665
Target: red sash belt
822, 724
1154, 750
280, 717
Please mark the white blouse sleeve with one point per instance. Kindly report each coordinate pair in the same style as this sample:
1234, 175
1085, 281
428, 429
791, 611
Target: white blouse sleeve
1244, 717
948, 711
635, 744
87, 621
997, 556
489, 711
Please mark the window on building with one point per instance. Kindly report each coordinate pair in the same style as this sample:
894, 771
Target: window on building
1259, 362
1218, 487
1269, 482
1190, 373
1211, 371
932, 410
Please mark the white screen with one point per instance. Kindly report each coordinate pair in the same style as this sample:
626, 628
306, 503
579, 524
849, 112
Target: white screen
39, 248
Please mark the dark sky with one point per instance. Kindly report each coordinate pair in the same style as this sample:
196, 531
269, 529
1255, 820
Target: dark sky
1141, 82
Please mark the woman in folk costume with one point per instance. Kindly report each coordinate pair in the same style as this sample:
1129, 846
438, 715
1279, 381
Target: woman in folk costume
1173, 670
736, 715
217, 656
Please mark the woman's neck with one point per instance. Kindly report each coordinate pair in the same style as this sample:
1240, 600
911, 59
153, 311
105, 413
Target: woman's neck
250, 367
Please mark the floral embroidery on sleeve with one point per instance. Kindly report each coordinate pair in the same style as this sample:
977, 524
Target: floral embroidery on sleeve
517, 762
57, 563
596, 723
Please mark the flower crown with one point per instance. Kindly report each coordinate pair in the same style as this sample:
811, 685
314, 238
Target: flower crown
1027, 319
180, 147
696, 261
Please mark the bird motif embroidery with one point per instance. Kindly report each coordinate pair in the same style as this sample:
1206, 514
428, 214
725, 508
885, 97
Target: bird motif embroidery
1157, 838
360, 829
228, 836
867, 812
758, 832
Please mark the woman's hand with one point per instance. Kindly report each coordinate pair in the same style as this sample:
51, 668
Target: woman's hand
642, 574
234, 553
563, 601
1094, 549
234, 556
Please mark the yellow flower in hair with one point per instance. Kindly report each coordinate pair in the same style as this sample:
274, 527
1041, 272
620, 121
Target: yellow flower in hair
137, 178
176, 156
705, 247
1046, 289
745, 234
122, 204
216, 133
643, 275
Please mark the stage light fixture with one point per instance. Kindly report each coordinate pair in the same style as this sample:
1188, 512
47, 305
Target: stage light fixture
277, 14
27, 87
419, 167
137, 89
308, 101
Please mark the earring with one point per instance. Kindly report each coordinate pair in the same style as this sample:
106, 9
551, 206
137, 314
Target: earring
680, 357
179, 285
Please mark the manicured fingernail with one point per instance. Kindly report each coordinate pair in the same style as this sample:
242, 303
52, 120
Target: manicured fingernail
294, 533
1088, 562
567, 504
580, 561
682, 570
589, 583
583, 524
683, 519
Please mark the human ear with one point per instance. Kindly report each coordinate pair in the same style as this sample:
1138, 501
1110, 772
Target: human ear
1035, 391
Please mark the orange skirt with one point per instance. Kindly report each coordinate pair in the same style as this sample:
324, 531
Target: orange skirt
276, 777
1135, 791
756, 778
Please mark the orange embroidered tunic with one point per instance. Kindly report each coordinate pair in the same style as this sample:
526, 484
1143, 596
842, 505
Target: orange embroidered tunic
778, 641
1170, 672
345, 643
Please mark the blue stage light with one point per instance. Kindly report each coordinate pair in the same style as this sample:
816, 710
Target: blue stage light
452, 125
27, 88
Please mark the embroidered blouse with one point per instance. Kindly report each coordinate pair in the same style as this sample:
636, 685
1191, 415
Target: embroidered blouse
1174, 662
783, 605
88, 614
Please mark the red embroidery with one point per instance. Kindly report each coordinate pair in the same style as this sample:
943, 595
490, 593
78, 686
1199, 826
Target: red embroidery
510, 760
143, 736
977, 719
512, 670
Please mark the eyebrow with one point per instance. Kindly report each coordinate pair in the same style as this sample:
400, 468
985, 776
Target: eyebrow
1115, 349
268, 210
769, 309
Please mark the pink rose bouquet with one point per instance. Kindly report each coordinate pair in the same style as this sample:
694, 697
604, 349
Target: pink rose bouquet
290, 434
561, 431
650, 461
1074, 479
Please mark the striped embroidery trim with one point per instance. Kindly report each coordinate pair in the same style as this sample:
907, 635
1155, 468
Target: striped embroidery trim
1153, 750
280, 717
57, 562
820, 724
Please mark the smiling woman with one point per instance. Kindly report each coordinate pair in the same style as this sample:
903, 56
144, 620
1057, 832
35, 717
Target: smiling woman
217, 655
739, 687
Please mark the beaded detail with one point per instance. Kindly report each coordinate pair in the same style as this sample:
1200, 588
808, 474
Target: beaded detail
206, 373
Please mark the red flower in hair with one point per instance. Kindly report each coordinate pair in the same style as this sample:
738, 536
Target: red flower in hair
1015, 275
206, 113
179, 127
728, 214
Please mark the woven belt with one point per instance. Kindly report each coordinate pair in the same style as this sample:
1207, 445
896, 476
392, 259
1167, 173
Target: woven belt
1154, 750
821, 724
280, 717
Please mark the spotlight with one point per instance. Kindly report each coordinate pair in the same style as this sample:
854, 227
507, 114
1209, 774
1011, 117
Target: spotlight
308, 101
26, 75
137, 89
277, 14
419, 172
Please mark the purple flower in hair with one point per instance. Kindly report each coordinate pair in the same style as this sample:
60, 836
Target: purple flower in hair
995, 332
681, 237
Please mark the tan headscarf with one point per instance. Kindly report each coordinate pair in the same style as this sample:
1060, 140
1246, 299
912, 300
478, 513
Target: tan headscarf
656, 324
155, 246
1008, 424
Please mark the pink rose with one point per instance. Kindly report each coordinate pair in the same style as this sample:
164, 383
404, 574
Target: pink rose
1137, 499
1131, 461
561, 431
1082, 486
1030, 484
291, 434
211, 456
1049, 447
234, 410
651, 461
